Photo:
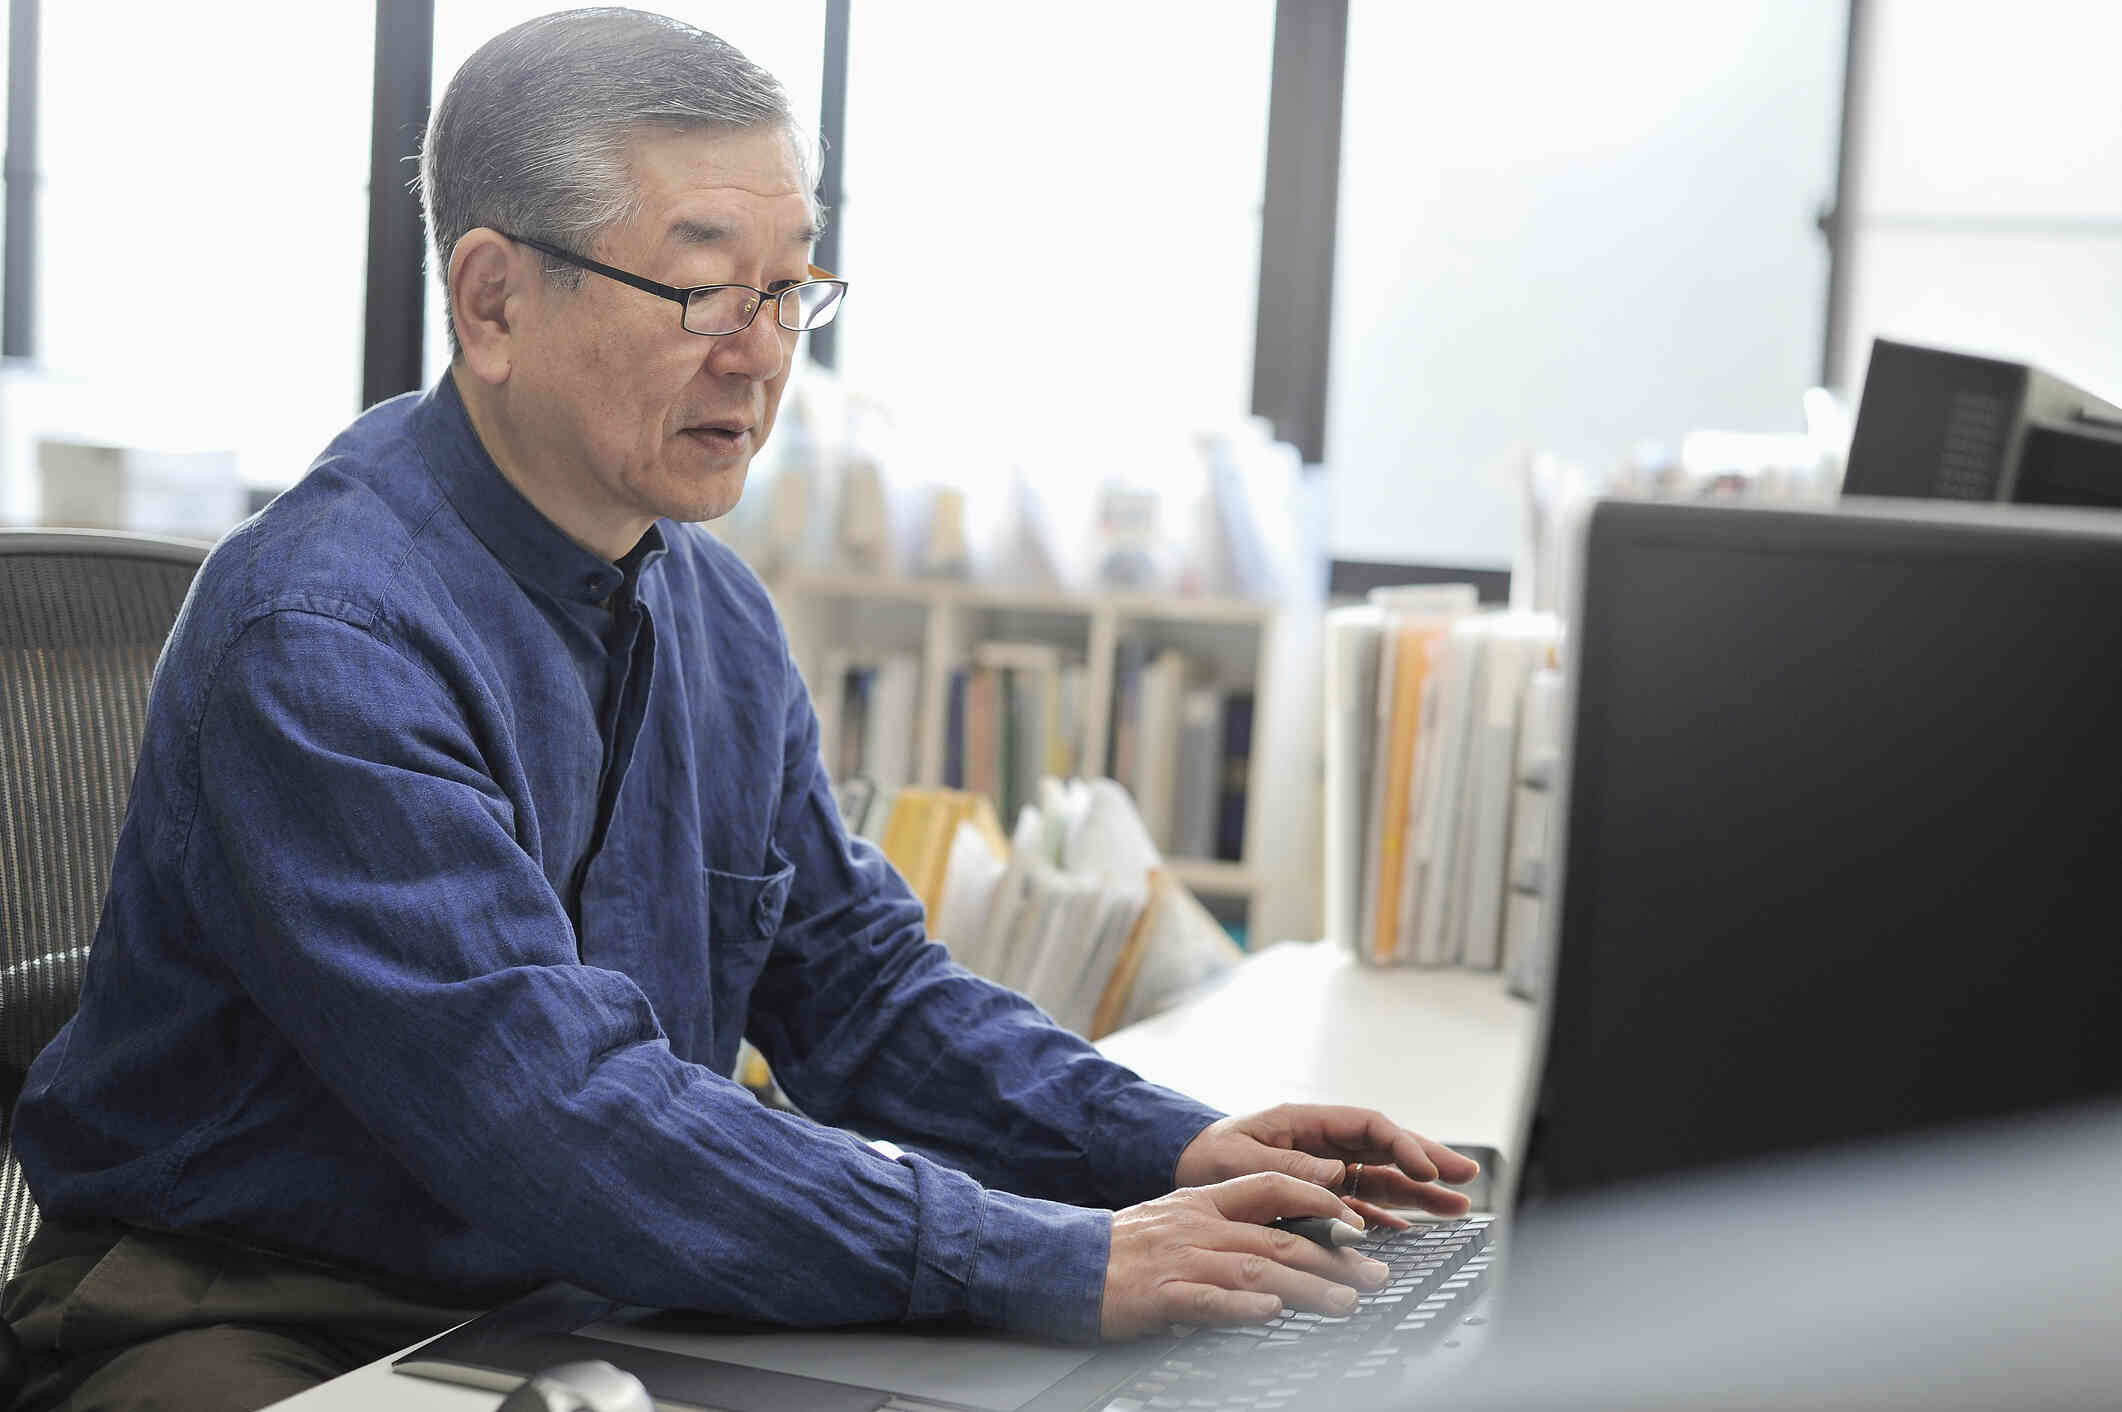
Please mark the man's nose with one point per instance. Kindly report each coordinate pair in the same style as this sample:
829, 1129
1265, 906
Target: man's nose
759, 350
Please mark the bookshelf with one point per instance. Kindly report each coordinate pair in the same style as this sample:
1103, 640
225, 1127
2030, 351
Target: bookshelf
943, 621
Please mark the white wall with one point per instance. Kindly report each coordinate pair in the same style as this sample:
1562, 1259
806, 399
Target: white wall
1572, 227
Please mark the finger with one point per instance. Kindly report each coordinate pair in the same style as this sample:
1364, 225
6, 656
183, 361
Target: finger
1263, 1196
1187, 1302
1430, 1197
1329, 1172
1362, 1135
1387, 1186
1451, 1166
1379, 1215
1296, 1288
1347, 1267
1421, 1158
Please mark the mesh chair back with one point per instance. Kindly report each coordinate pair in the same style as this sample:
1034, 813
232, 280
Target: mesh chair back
83, 616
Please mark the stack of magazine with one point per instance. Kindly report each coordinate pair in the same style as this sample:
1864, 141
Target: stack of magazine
1440, 733
1074, 909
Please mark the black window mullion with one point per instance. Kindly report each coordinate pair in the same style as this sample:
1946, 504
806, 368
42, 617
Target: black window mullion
832, 131
18, 304
1297, 220
1838, 221
396, 288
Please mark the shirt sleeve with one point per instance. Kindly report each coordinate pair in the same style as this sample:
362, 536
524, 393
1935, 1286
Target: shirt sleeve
867, 1022
399, 932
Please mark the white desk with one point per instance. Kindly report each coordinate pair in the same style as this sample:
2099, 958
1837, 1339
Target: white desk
1443, 1052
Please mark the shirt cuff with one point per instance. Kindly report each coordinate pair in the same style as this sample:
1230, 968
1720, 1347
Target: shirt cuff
1144, 1130
1005, 1261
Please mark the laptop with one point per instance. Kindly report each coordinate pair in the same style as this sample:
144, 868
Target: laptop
1843, 802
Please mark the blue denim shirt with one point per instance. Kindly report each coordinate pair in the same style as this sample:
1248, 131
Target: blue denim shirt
457, 863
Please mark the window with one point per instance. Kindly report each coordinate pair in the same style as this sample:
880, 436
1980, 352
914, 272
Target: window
1987, 214
1569, 233
1051, 220
203, 225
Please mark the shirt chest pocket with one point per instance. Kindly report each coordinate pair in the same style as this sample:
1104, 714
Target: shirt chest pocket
743, 914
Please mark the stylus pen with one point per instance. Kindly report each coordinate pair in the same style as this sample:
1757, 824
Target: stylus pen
1319, 1230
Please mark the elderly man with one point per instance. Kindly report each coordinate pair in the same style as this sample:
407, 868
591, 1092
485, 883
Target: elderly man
481, 814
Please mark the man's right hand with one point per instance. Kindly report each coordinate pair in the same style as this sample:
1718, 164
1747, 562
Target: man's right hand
1205, 1255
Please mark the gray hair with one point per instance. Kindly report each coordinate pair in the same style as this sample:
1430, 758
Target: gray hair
531, 135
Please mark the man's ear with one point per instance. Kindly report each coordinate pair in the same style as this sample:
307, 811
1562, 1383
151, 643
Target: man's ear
486, 275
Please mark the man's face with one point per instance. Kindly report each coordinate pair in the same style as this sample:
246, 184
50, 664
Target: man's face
661, 421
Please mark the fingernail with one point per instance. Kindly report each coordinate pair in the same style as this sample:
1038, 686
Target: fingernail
1375, 1271
1344, 1300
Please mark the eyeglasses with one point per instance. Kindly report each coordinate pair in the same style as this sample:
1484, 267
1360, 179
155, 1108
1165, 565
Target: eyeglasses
716, 309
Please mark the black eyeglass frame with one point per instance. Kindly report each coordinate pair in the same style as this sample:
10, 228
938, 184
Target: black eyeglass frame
683, 297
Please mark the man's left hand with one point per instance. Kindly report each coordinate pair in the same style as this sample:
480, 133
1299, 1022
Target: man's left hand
1316, 1142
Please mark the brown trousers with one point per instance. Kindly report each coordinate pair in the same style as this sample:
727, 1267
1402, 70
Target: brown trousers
115, 1318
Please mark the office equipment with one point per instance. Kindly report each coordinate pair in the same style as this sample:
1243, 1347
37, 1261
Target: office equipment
1438, 1272
1321, 1230
594, 1386
83, 615
1839, 832
1956, 1271
1935, 424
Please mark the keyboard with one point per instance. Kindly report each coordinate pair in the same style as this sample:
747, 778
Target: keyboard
1300, 1359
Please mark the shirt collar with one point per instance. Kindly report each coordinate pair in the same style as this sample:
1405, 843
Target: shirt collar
532, 548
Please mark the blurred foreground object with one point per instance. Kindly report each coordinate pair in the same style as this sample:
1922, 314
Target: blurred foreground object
1978, 1268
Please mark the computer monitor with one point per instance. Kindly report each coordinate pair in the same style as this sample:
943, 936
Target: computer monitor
1940, 424
1842, 836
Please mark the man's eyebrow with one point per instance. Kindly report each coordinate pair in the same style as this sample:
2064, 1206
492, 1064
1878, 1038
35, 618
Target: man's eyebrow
692, 232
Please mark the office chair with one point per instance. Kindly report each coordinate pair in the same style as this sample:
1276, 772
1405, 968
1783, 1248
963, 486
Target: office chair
83, 615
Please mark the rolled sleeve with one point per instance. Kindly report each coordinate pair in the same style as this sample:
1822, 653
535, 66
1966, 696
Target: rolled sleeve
1008, 1262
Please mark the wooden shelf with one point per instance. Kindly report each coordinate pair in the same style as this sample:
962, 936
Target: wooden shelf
827, 610
1172, 608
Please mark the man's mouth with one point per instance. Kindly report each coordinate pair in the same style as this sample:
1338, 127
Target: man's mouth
721, 436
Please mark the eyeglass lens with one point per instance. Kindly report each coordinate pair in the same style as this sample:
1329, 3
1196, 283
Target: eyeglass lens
728, 308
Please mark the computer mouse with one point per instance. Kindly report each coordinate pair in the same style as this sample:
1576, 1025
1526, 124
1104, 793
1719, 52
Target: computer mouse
593, 1386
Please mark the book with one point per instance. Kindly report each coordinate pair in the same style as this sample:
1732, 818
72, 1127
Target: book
1414, 634
1433, 857
1062, 941
973, 870
954, 730
983, 733
889, 721
1234, 768
1032, 691
1129, 658
1532, 823
854, 717
1198, 780
1163, 686
1116, 999
1065, 757
1520, 644
1415, 619
918, 836
1116, 919
1353, 639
